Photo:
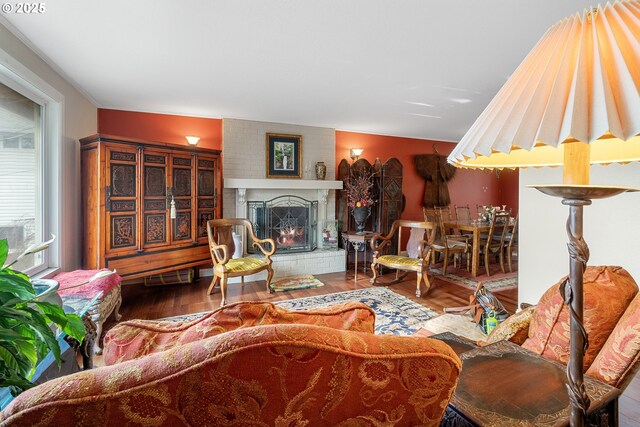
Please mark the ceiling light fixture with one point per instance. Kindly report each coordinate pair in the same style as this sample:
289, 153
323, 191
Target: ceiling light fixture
573, 101
193, 140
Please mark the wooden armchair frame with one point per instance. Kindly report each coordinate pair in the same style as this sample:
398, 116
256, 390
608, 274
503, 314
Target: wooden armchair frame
404, 263
224, 266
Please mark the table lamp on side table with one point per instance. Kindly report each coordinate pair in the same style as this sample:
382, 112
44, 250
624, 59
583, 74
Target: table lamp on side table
574, 100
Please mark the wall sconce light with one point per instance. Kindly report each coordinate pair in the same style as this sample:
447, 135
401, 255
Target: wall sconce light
355, 153
193, 140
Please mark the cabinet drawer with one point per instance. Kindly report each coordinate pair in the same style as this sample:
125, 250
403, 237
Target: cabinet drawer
145, 264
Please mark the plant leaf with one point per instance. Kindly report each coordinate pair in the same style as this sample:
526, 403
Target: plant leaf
4, 251
17, 284
10, 378
8, 358
40, 326
70, 324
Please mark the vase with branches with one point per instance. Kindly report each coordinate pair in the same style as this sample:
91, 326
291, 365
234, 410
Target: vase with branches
360, 198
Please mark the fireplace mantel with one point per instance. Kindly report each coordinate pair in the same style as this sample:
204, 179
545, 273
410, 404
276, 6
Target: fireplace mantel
282, 184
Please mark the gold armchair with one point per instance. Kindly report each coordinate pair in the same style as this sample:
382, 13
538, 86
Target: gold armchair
221, 248
400, 262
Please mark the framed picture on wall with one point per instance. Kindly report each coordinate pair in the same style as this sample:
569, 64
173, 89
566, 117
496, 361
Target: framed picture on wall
284, 156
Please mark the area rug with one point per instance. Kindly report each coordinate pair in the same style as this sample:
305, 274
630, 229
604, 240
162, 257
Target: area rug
395, 314
498, 281
295, 282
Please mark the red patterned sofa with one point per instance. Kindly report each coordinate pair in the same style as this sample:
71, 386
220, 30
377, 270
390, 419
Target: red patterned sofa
313, 374
611, 319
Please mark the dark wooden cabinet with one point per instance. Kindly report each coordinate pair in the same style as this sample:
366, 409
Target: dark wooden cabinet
128, 187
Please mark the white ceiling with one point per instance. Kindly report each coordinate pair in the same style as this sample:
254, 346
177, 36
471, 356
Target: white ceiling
414, 68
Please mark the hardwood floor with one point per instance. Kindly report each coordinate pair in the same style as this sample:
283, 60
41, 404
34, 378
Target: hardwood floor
141, 302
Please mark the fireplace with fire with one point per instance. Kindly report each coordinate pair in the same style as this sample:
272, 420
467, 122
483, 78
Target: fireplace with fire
289, 220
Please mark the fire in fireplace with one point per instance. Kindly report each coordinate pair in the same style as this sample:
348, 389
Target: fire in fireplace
290, 221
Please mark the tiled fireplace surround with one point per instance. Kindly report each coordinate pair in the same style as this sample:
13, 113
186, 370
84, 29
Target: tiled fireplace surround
244, 165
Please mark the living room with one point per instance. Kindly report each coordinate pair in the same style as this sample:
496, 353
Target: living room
380, 79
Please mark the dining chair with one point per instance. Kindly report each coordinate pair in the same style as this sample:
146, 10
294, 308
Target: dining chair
463, 213
449, 244
493, 243
511, 242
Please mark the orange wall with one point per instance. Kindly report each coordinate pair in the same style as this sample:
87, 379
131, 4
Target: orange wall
161, 127
467, 187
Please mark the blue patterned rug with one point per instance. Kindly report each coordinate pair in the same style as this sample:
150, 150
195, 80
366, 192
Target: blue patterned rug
395, 314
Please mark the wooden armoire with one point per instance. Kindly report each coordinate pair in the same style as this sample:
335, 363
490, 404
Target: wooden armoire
127, 189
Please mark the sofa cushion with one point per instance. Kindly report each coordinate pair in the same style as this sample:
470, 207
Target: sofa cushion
620, 356
136, 338
272, 375
514, 328
607, 293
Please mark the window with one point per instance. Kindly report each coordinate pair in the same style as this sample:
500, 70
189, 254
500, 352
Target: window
21, 176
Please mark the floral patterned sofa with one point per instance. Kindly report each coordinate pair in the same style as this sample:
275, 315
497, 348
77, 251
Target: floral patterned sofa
331, 371
611, 319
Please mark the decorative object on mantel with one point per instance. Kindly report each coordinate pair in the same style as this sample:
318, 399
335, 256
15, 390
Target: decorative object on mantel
284, 156
360, 199
436, 172
573, 101
321, 171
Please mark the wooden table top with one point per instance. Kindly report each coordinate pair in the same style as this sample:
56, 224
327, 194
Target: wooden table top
352, 235
505, 384
469, 225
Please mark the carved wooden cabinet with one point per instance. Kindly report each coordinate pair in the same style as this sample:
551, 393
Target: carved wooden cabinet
128, 187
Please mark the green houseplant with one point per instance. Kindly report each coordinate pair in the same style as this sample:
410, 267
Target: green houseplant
25, 332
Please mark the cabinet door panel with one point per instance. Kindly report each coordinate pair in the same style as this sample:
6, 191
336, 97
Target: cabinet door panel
206, 200
155, 228
154, 196
123, 231
182, 180
123, 180
121, 200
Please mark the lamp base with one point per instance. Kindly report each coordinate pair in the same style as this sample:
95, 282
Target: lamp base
576, 197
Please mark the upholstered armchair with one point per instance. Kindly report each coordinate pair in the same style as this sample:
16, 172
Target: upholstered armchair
268, 375
400, 262
611, 319
221, 247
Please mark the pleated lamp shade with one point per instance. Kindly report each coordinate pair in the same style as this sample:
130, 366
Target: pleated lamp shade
581, 83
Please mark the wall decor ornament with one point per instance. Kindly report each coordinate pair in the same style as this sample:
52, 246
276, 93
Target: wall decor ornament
321, 171
284, 156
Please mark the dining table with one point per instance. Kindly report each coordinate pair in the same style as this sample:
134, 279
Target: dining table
477, 227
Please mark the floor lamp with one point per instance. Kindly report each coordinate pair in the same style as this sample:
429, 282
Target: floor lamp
574, 101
